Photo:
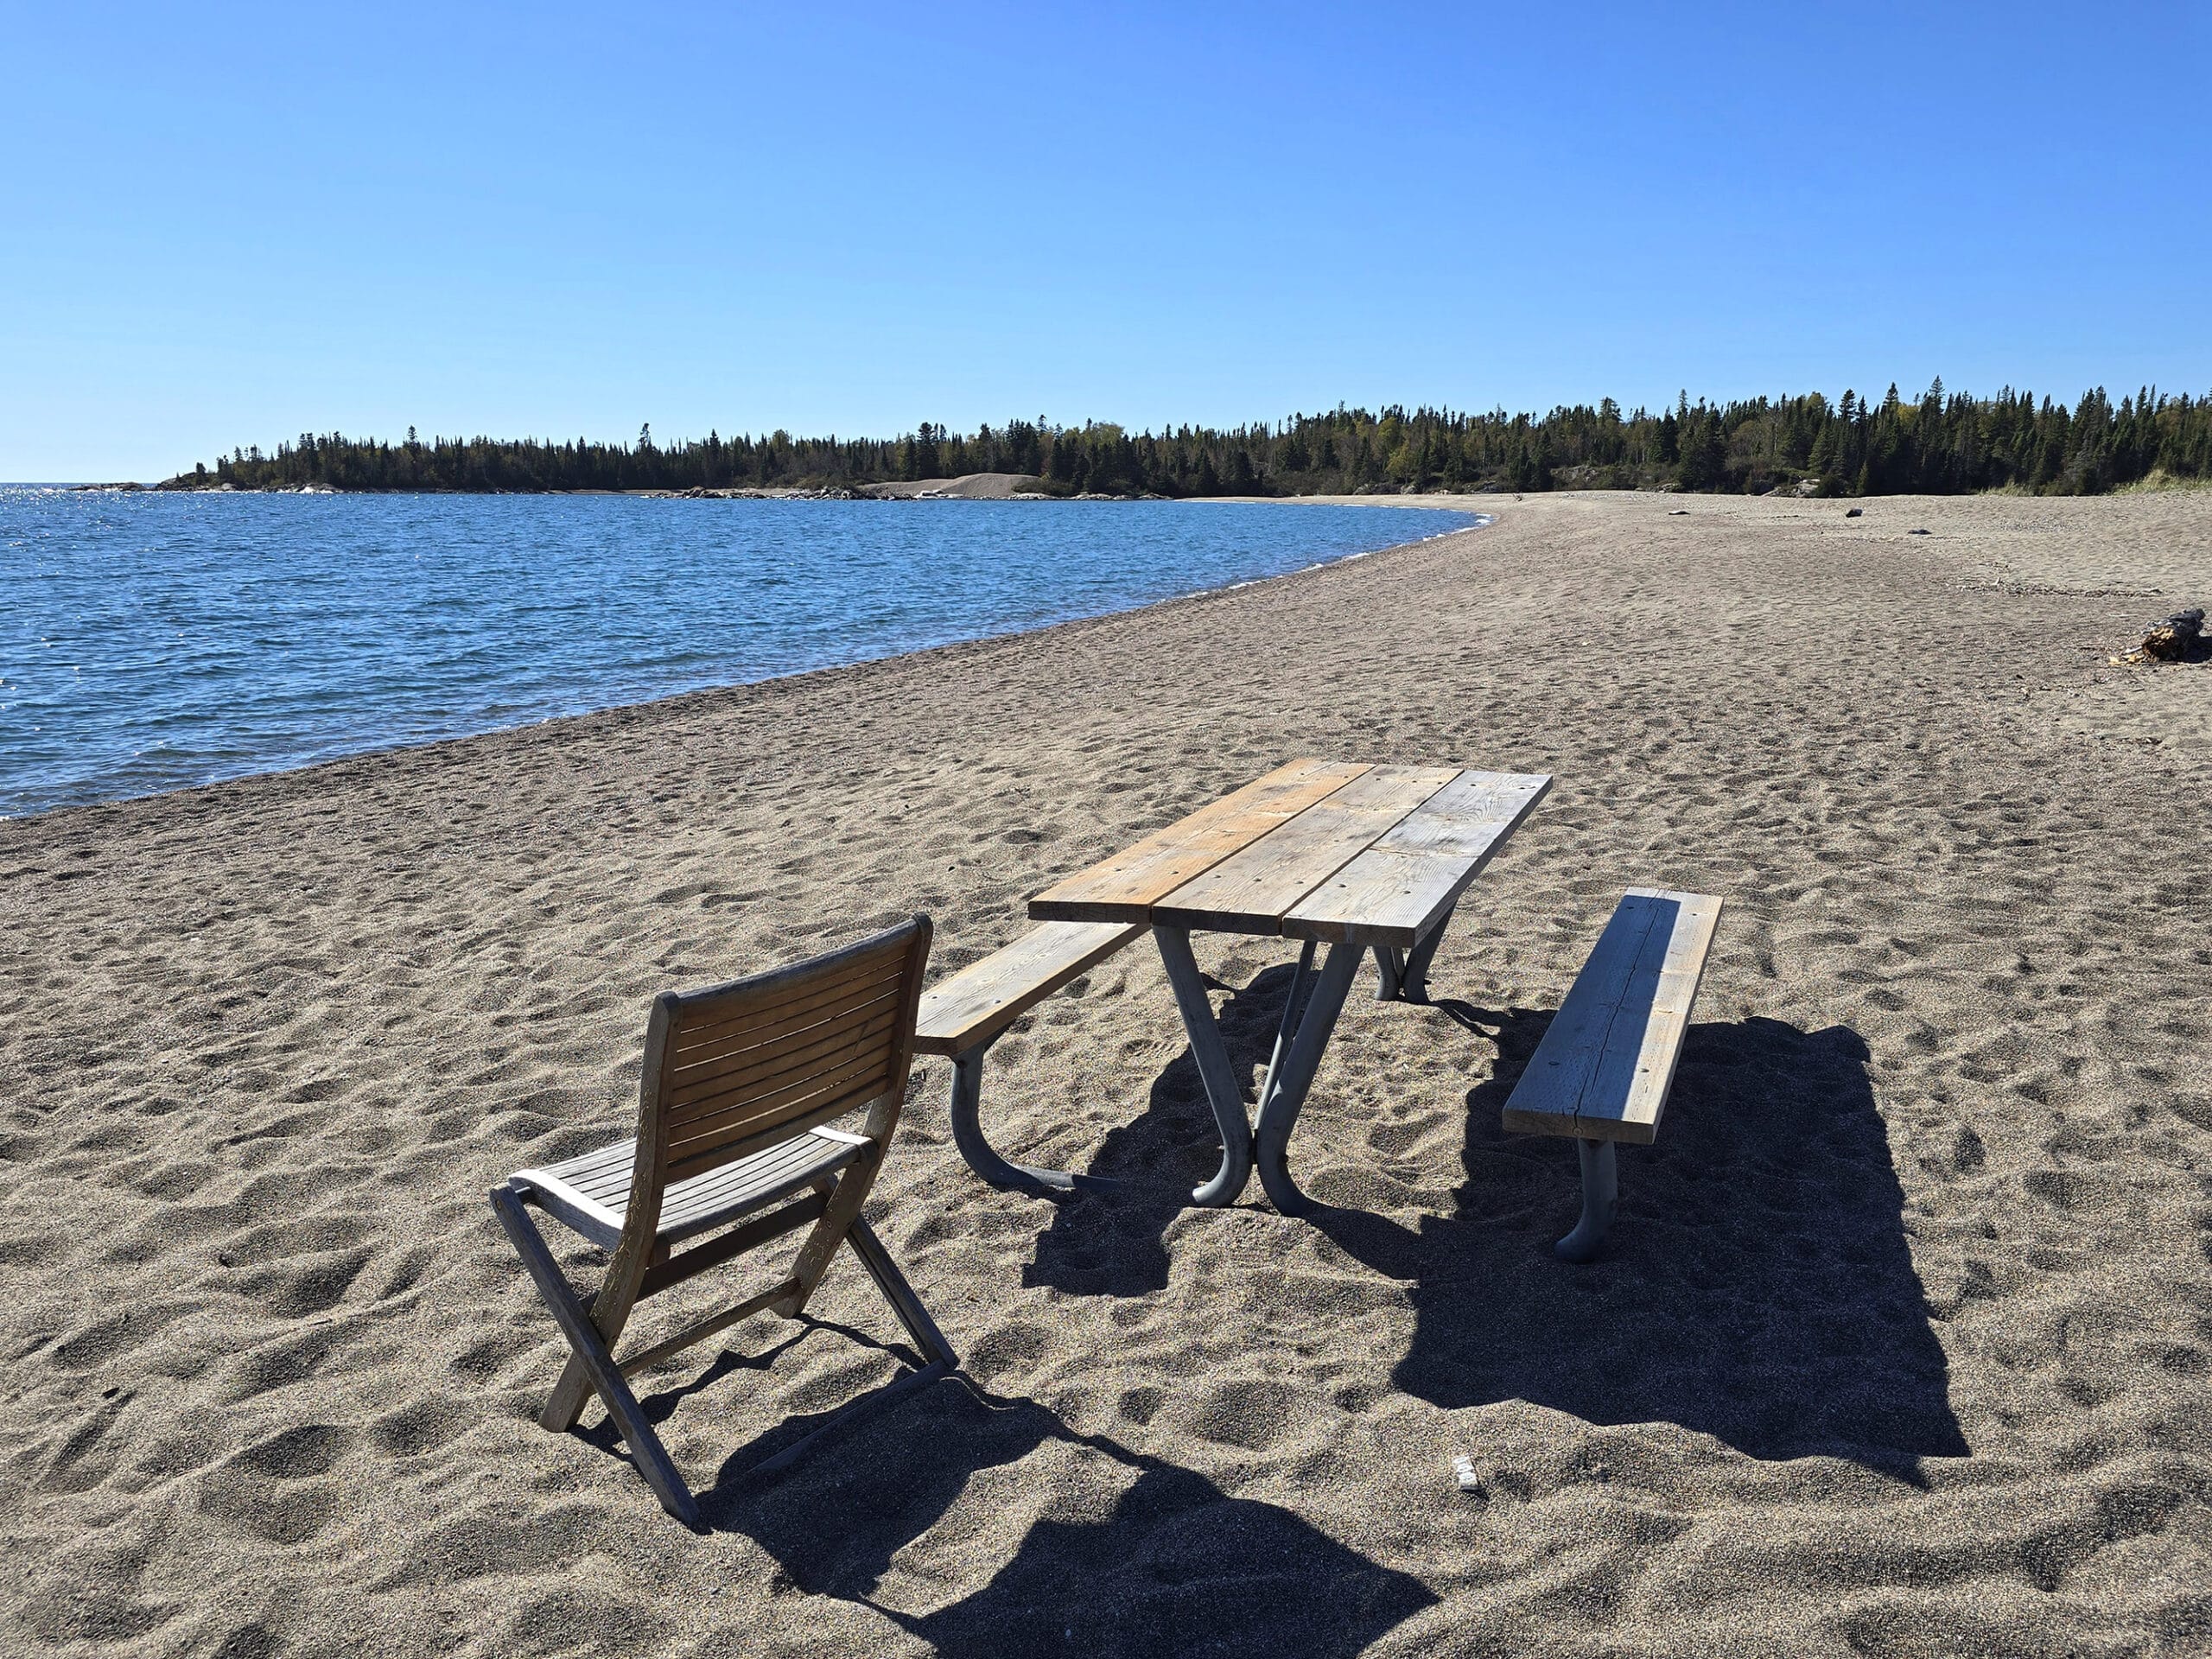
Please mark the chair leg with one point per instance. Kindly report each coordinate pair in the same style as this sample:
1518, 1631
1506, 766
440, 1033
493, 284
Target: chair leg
901, 1294
842, 1209
593, 1355
942, 1361
609, 1311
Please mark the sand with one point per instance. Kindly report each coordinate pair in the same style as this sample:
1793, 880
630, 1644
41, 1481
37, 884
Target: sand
1901, 1346
968, 487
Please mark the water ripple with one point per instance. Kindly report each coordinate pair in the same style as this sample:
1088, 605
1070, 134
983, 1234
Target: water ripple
151, 642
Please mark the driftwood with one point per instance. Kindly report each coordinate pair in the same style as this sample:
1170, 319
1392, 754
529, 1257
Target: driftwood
2177, 639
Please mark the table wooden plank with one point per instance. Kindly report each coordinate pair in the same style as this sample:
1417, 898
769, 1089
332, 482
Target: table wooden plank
1628, 1088
1472, 815
1391, 893
1125, 887
1251, 891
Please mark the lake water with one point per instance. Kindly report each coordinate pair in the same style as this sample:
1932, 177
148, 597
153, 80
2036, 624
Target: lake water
152, 641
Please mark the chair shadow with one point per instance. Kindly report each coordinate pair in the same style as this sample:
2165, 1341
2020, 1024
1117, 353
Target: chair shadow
1173, 1565
1757, 1286
659, 1405
1170, 1564
1113, 1244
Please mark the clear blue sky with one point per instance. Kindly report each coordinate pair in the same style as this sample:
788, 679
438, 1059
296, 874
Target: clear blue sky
222, 224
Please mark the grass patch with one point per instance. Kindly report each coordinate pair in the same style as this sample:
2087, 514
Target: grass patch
2158, 480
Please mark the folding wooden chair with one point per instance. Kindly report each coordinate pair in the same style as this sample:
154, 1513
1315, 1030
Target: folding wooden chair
741, 1084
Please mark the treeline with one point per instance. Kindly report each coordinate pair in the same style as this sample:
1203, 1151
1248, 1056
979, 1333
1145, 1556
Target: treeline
1943, 443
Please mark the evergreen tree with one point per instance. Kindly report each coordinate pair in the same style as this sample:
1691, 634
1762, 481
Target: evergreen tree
1942, 442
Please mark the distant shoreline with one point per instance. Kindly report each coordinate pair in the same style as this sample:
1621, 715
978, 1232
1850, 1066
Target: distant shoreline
974, 486
1945, 443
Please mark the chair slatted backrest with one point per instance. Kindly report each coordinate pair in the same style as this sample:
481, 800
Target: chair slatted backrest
739, 1068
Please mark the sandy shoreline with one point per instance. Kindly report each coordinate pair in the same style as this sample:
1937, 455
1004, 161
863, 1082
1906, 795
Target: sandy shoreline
1903, 1348
250, 754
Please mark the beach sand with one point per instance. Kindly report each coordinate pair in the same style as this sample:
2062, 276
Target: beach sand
1901, 1347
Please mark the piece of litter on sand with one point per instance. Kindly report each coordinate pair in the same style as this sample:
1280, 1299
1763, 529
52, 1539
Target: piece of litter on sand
1469, 1480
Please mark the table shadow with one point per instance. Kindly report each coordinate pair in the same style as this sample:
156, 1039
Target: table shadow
1113, 1244
1757, 1286
1171, 1564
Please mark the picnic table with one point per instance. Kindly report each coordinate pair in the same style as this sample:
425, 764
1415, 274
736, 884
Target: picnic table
1355, 857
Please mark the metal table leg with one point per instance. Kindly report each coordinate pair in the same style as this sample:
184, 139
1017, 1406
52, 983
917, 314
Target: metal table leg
1405, 973
982, 1157
1287, 1084
1301, 987
1223, 1092
1390, 973
1413, 984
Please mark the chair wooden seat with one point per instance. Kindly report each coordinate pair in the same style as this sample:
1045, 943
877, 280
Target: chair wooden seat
739, 1091
592, 1193
1603, 1069
965, 1012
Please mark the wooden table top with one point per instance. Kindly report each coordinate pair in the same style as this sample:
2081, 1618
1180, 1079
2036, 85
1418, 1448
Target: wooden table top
1318, 849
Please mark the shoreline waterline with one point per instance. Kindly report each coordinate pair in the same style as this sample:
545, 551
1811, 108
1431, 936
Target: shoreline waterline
680, 669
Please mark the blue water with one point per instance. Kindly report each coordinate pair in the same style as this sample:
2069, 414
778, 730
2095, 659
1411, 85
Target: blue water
149, 642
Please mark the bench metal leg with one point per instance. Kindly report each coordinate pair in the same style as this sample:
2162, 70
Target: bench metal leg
965, 1111
1600, 1192
1413, 985
1287, 1085
1223, 1092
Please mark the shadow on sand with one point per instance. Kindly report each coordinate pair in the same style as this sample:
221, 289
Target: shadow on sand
1756, 1287
1126, 1554
1096, 1245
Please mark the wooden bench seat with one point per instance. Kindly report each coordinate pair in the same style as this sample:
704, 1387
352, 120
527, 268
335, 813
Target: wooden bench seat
964, 1013
1601, 1074
975, 1004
